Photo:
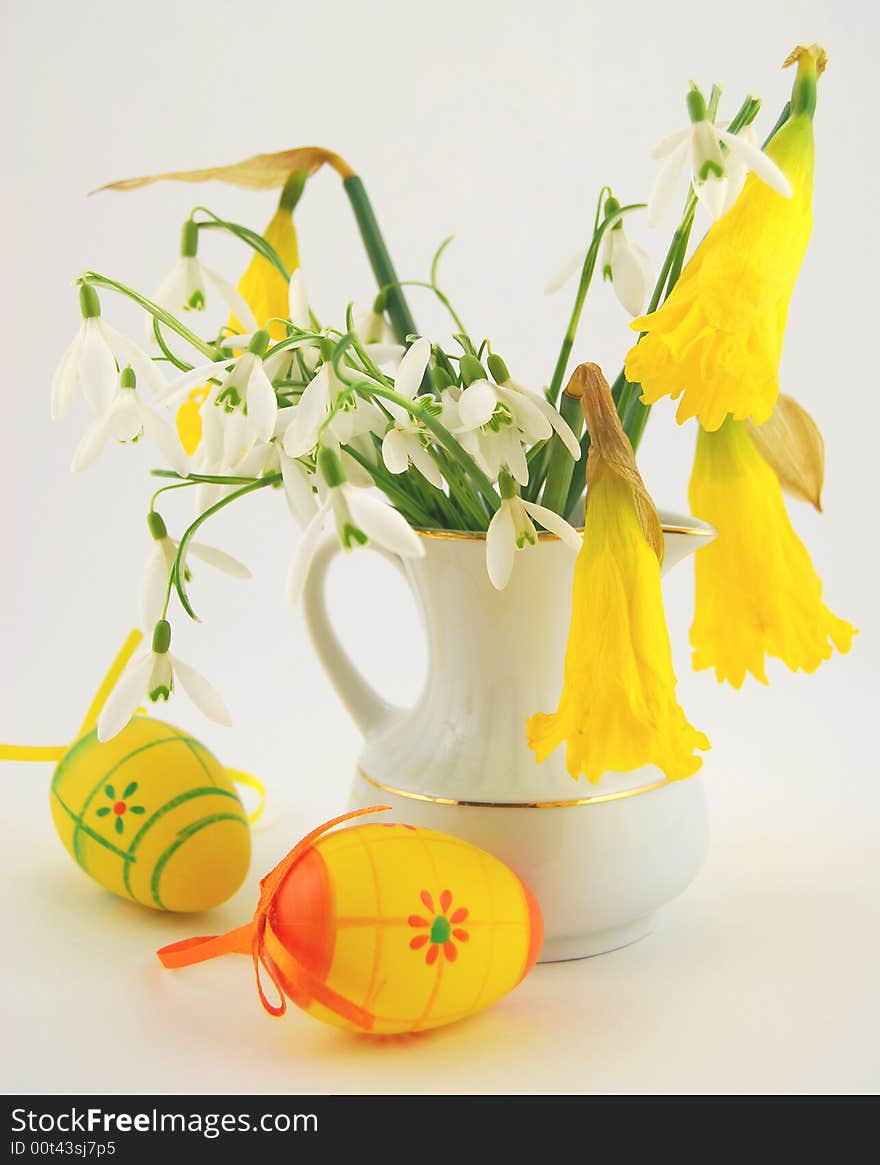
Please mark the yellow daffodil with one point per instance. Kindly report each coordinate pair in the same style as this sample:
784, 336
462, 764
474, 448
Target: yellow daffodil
263, 287
618, 710
757, 591
717, 340
264, 290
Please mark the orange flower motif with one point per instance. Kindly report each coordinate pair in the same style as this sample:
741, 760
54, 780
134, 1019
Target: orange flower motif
442, 928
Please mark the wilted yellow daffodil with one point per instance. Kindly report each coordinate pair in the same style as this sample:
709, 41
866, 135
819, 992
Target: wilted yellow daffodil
618, 709
757, 591
264, 290
717, 340
262, 286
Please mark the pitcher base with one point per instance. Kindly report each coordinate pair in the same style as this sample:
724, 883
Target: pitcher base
599, 942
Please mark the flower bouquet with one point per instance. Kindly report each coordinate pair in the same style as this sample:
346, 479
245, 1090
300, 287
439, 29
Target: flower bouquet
434, 453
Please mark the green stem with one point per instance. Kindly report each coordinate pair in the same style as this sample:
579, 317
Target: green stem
393, 488
96, 279
176, 579
541, 466
380, 260
246, 235
562, 464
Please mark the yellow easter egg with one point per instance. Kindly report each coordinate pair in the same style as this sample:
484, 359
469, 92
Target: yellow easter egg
393, 928
152, 816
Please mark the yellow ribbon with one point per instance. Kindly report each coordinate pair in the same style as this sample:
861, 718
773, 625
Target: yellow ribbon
54, 752
250, 782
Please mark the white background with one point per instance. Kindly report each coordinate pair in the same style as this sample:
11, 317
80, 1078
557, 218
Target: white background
499, 122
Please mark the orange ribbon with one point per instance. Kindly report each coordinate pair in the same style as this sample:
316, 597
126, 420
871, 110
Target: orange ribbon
258, 939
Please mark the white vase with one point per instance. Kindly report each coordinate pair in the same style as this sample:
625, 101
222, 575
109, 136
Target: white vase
599, 858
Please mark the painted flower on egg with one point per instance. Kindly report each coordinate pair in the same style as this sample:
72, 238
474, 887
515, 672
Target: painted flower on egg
442, 929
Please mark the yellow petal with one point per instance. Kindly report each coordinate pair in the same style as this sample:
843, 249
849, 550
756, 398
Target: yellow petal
189, 420
758, 593
618, 709
791, 444
262, 286
717, 340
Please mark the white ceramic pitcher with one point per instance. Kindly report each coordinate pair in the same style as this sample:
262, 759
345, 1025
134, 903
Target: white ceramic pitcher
600, 858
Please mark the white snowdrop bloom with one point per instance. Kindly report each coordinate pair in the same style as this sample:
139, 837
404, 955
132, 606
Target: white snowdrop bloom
512, 529
245, 397
154, 581
737, 170
701, 142
627, 266
92, 362
496, 447
360, 518
532, 414
354, 419
406, 441
496, 421
377, 336
300, 316
184, 288
152, 675
126, 419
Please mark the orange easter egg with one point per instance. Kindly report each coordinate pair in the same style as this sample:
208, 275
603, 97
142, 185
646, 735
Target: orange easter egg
387, 928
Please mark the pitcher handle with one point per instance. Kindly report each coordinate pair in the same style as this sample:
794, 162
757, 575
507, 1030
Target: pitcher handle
367, 708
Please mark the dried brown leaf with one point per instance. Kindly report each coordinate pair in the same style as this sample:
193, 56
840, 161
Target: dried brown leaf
791, 444
610, 448
261, 172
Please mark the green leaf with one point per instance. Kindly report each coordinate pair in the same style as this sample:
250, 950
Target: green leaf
136, 809
129, 790
103, 812
109, 790
119, 825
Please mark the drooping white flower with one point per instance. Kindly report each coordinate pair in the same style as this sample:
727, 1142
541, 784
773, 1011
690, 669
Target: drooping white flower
244, 398
126, 419
92, 362
512, 529
407, 440
627, 266
737, 170
496, 421
184, 288
360, 518
377, 336
152, 675
355, 418
701, 141
154, 581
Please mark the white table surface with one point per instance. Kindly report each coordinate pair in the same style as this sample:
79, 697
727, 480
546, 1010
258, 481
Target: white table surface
764, 977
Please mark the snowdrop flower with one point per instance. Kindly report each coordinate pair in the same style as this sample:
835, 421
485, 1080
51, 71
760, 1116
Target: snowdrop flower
90, 363
125, 419
360, 518
702, 141
153, 674
406, 441
377, 336
495, 420
184, 287
154, 582
354, 419
512, 529
737, 170
245, 396
627, 266
623, 263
